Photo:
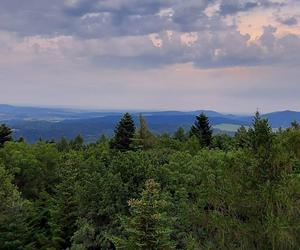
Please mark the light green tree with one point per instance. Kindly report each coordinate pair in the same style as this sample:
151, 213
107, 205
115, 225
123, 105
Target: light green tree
148, 226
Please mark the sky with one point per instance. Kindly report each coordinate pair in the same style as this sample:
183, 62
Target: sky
227, 55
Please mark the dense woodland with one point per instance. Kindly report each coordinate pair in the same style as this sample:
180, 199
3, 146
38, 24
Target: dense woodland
137, 190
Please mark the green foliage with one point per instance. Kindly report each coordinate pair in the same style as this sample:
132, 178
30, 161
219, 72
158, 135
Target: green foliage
147, 227
124, 133
202, 130
261, 135
145, 139
238, 193
5, 134
242, 138
180, 135
63, 145
14, 230
77, 143
223, 142
26, 162
261, 144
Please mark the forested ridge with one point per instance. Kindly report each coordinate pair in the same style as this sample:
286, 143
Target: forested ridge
137, 190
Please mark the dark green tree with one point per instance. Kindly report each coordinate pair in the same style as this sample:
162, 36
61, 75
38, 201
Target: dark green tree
202, 130
5, 134
261, 135
124, 133
261, 143
64, 207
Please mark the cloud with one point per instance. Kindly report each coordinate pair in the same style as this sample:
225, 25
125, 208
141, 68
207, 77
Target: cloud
289, 21
225, 48
106, 18
142, 34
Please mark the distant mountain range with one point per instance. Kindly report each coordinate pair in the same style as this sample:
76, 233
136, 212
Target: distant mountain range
33, 123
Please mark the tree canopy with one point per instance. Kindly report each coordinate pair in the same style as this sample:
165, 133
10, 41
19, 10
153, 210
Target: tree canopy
124, 133
239, 192
202, 130
5, 134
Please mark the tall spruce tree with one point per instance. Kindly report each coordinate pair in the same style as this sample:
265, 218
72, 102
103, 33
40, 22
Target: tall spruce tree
202, 130
124, 133
261, 134
5, 134
146, 139
148, 225
261, 140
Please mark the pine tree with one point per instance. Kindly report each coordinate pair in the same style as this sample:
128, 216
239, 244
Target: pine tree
64, 208
202, 130
261, 142
5, 134
147, 227
261, 134
124, 133
146, 139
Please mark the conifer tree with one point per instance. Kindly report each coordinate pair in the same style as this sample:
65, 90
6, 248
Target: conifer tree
147, 227
145, 137
261, 139
64, 208
5, 134
261, 134
202, 130
124, 133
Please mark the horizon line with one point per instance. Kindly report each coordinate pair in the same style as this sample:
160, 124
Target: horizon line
118, 110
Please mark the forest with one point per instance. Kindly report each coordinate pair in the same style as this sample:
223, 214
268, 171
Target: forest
143, 191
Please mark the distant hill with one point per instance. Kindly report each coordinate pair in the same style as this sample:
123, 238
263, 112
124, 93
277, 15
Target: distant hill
282, 119
33, 123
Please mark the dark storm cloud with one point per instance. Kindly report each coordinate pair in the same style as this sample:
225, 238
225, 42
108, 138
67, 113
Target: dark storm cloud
111, 17
218, 43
